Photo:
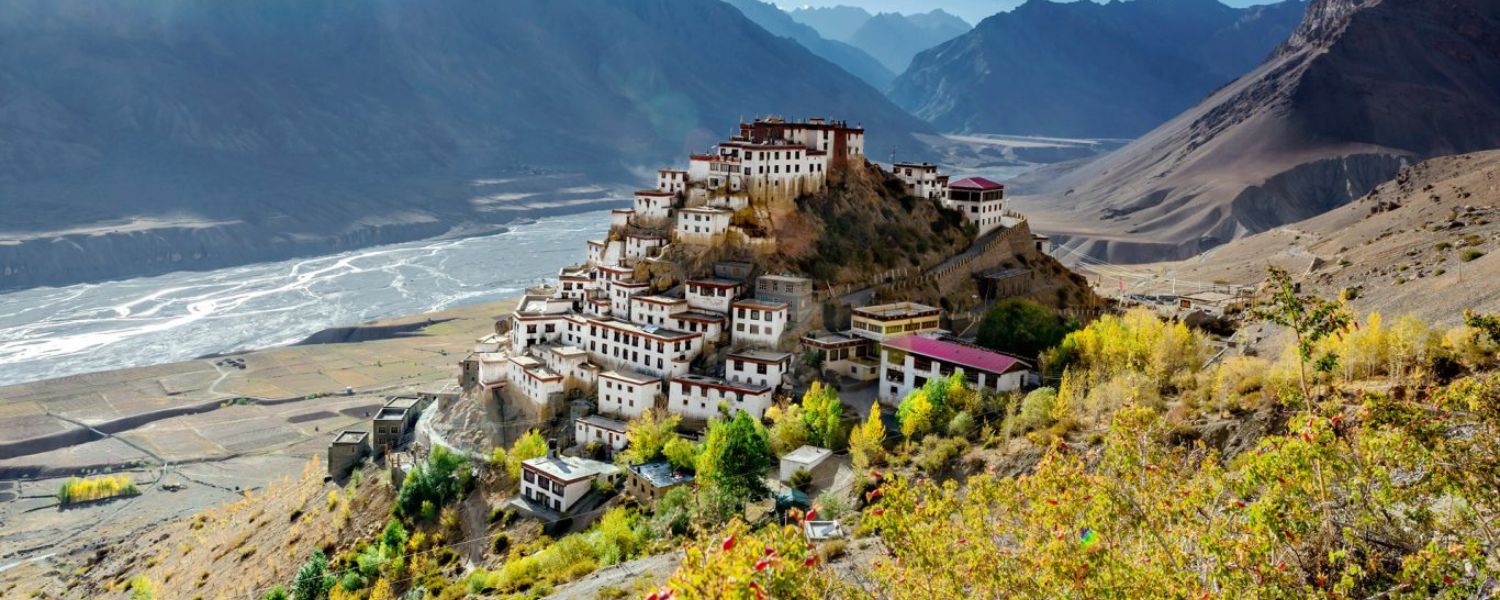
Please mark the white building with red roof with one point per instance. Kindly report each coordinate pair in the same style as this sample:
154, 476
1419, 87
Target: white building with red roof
979, 199
909, 362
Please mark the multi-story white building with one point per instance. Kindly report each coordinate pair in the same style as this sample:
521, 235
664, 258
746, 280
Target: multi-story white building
617, 344
559, 482
532, 379
758, 323
980, 200
605, 252
572, 363
699, 397
836, 138
710, 324
620, 293
909, 362
640, 246
713, 295
601, 429
701, 225
922, 180
627, 395
671, 180
652, 206
755, 367
656, 310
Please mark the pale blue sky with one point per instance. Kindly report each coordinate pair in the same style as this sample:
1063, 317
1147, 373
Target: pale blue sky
972, 11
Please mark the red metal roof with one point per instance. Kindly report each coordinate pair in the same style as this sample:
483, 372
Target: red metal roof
976, 183
958, 354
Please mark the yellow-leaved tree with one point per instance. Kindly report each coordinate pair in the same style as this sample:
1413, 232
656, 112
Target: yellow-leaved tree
866, 440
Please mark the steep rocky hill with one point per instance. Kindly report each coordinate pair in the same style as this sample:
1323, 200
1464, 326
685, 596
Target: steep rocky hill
1424, 243
895, 38
144, 136
1089, 69
1362, 88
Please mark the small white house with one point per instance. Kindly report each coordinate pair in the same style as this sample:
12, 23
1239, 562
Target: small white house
671, 180
605, 252
656, 310
699, 397
758, 323
559, 482
652, 205
601, 429
756, 367
626, 394
620, 218
711, 325
620, 293
701, 225
533, 380
643, 245
714, 295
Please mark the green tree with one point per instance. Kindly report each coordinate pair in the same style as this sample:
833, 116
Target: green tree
275, 593
823, 413
1023, 327
736, 454
313, 579
1310, 319
438, 480
649, 435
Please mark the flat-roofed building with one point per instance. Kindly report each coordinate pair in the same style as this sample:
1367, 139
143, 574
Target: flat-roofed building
346, 450
701, 225
639, 246
533, 380
605, 252
898, 318
713, 294
598, 428
627, 395
796, 292
909, 362
616, 344
389, 428
922, 180
559, 482
648, 482
671, 180
620, 293
652, 205
757, 367
710, 324
851, 356
655, 310
699, 397
758, 323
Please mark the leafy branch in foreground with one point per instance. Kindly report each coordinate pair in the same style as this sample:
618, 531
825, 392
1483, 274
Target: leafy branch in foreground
1310, 319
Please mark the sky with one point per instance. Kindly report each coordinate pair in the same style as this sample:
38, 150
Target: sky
972, 11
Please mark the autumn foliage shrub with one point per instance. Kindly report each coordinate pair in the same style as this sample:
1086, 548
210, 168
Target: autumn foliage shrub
77, 489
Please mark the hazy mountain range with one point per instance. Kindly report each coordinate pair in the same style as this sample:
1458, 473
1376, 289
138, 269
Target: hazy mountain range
848, 57
149, 135
893, 38
1087, 69
1360, 89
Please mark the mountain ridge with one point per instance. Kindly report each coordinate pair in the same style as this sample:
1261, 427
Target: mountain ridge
1362, 89
1089, 70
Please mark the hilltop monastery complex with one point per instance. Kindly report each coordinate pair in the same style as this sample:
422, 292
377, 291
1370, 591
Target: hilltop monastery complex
609, 332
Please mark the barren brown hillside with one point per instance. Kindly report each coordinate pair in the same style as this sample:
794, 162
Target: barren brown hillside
1426, 243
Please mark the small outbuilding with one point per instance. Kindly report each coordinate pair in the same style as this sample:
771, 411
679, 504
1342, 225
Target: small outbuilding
812, 458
